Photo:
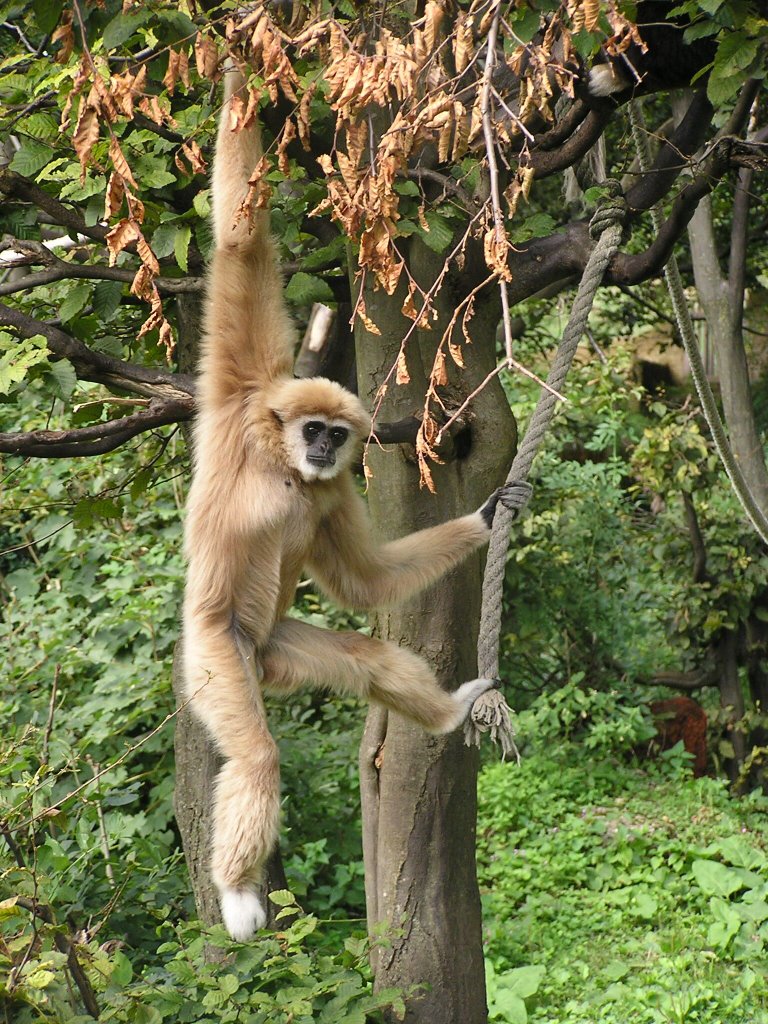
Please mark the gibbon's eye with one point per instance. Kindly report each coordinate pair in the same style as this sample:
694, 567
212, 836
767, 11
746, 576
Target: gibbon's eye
338, 436
313, 430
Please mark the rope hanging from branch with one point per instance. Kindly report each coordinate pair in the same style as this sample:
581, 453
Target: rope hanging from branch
490, 711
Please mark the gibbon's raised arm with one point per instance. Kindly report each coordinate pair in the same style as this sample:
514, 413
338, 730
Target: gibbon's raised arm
356, 571
249, 335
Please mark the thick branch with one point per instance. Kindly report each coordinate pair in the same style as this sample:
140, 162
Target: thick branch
673, 156
98, 367
97, 438
640, 267
584, 137
705, 676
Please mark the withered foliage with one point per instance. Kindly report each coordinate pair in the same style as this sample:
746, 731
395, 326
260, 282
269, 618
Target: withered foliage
401, 91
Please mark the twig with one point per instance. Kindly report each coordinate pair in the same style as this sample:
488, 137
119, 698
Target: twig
506, 364
54, 808
13, 846
490, 151
103, 836
51, 713
65, 944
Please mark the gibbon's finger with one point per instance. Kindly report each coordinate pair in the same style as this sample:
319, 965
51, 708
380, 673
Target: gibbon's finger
515, 495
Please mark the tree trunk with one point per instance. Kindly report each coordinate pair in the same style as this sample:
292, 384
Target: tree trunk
721, 302
419, 792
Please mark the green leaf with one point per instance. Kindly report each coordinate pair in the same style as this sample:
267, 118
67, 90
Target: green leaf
181, 246
735, 53
282, 898
523, 981
31, 158
63, 379
304, 289
76, 298
122, 27
19, 358
47, 14
122, 969
508, 1007
716, 879
106, 299
440, 234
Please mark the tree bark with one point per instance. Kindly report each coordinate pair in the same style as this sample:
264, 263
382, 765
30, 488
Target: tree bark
418, 791
722, 306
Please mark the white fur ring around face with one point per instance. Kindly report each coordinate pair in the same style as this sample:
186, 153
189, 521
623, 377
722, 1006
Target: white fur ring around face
242, 912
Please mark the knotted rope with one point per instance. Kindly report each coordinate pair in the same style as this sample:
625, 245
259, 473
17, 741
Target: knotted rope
490, 711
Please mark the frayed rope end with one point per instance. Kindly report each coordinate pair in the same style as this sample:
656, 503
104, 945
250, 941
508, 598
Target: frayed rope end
491, 713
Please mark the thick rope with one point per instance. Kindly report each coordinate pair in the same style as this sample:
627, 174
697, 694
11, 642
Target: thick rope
754, 513
490, 710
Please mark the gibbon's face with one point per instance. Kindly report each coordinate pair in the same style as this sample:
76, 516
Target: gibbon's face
318, 448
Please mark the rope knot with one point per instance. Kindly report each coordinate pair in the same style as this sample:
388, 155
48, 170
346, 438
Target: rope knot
611, 210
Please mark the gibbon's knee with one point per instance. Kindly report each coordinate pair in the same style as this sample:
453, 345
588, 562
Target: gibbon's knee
302, 655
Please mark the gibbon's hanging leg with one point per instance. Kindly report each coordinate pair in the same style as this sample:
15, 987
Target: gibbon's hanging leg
302, 655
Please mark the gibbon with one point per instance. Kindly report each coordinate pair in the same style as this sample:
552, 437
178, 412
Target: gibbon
668, 62
273, 495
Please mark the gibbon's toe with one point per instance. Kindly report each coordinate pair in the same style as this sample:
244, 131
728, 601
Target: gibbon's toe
242, 912
465, 697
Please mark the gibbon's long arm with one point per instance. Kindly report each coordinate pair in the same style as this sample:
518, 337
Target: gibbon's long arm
357, 572
249, 334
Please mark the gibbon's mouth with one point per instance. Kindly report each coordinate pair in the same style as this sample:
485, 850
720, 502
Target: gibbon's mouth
321, 461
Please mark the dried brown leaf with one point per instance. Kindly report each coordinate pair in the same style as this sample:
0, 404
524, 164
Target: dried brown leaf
439, 376
402, 376
86, 136
65, 36
122, 235
114, 195
206, 55
120, 163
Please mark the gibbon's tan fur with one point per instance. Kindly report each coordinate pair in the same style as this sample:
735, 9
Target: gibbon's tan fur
258, 516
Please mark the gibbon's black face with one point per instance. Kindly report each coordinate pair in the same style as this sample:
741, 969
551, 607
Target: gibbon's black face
323, 440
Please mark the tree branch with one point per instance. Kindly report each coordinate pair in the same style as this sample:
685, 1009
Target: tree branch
97, 438
65, 944
16, 186
673, 156
98, 367
61, 270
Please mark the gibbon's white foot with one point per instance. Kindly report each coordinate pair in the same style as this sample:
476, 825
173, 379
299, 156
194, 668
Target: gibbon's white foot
242, 912
465, 697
